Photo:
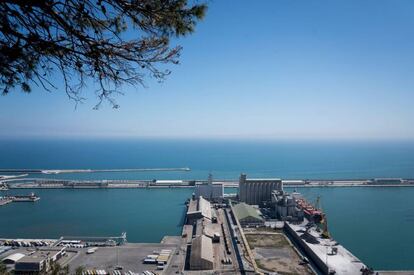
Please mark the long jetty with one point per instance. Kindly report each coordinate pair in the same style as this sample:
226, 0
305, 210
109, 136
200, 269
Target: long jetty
62, 171
18, 183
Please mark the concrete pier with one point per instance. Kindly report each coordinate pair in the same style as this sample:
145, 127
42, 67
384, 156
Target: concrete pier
329, 256
62, 183
66, 171
5, 201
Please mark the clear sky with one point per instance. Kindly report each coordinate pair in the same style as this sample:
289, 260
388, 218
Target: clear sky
259, 69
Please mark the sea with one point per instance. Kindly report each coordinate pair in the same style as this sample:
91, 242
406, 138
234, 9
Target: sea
375, 223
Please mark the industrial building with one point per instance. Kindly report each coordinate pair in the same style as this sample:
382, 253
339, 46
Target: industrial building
198, 209
257, 191
85, 184
201, 253
386, 181
39, 261
207, 238
248, 215
284, 207
13, 258
201, 249
209, 190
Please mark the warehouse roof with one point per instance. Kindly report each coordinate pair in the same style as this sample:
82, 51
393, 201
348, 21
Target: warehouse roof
200, 207
42, 254
13, 258
243, 210
201, 250
192, 206
205, 207
263, 179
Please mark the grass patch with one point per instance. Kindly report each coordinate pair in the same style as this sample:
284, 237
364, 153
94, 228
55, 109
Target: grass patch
268, 229
266, 268
266, 240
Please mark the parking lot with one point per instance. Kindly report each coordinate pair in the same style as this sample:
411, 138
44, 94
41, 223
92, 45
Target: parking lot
129, 256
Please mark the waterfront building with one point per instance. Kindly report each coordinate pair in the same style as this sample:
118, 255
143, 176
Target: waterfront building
386, 181
13, 258
209, 190
199, 218
257, 191
327, 254
284, 207
294, 182
248, 215
198, 209
201, 253
168, 182
85, 184
39, 261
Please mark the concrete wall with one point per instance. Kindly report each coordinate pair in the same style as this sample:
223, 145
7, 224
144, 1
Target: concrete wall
201, 254
309, 252
250, 221
256, 191
209, 191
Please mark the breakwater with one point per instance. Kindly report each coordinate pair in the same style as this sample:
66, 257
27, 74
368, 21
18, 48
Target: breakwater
62, 183
71, 171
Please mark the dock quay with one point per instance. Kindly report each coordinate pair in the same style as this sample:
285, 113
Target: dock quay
18, 198
34, 256
4, 201
41, 183
48, 183
329, 256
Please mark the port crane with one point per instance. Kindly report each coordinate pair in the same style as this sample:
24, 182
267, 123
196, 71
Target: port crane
324, 220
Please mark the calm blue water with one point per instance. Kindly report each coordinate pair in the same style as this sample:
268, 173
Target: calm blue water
145, 214
376, 224
225, 159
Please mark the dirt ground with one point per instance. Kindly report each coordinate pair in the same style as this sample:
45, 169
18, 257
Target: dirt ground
274, 253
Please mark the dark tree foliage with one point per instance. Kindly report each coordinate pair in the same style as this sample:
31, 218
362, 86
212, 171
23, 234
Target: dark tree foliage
56, 269
3, 269
79, 270
87, 39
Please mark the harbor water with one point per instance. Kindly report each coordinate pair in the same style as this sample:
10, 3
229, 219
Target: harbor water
375, 223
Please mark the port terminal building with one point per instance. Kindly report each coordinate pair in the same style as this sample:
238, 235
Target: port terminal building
39, 261
198, 217
13, 258
207, 239
386, 181
257, 191
284, 206
209, 190
201, 257
198, 209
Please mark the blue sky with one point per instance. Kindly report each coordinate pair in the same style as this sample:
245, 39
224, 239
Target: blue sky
258, 70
